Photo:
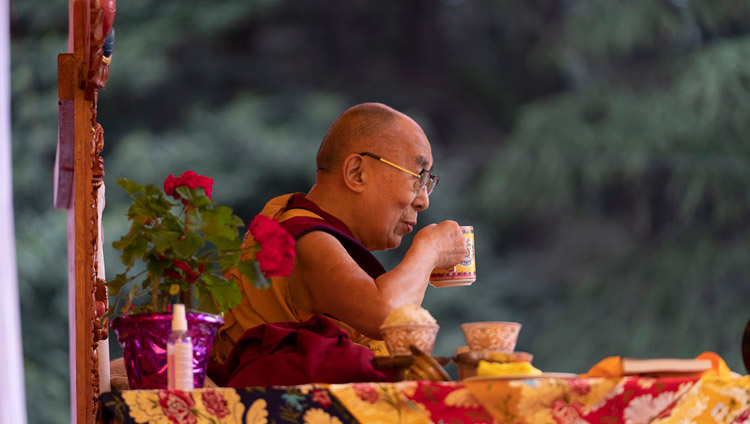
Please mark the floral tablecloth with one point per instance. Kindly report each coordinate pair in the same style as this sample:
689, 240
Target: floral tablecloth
720, 399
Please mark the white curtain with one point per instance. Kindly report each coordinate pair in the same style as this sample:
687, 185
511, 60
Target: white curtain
12, 394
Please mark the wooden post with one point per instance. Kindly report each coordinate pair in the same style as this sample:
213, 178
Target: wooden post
78, 178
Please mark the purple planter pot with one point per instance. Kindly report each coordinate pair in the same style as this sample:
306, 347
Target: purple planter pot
143, 338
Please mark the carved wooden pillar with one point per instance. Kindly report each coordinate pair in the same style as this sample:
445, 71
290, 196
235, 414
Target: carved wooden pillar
79, 173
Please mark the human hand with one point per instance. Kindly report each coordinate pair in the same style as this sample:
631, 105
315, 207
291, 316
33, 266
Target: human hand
445, 241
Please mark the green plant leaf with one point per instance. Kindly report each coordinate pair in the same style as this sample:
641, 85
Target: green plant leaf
226, 293
112, 309
218, 222
127, 239
171, 231
150, 206
153, 190
206, 301
260, 280
163, 238
225, 215
133, 294
136, 249
116, 284
160, 206
237, 221
156, 266
140, 212
197, 197
224, 243
247, 268
209, 222
229, 260
251, 270
172, 223
131, 187
195, 219
188, 245
200, 199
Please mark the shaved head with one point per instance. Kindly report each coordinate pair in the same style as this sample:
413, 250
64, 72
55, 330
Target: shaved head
360, 127
378, 200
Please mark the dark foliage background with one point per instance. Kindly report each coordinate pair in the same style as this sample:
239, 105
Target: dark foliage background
600, 149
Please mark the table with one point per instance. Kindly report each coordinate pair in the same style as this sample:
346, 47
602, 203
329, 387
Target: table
538, 400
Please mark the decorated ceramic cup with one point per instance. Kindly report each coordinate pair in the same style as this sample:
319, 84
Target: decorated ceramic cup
462, 274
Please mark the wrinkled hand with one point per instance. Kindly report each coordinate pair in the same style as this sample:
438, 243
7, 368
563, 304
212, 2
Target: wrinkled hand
445, 240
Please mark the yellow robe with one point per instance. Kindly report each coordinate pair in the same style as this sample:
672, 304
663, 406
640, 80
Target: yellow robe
260, 306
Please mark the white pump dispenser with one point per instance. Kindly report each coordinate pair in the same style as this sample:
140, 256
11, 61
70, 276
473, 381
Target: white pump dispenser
179, 352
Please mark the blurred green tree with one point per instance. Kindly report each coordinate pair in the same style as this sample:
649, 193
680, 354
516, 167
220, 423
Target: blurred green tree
629, 188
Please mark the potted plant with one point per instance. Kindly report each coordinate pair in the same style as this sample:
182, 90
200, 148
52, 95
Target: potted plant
177, 252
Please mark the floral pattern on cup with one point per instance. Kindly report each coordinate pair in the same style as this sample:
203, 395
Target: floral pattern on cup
399, 337
469, 253
491, 335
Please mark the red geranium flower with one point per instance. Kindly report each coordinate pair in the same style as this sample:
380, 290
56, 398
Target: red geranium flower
174, 274
190, 180
276, 255
190, 275
170, 184
264, 228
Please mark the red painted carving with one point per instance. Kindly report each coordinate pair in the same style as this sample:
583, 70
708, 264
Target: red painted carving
102, 17
109, 7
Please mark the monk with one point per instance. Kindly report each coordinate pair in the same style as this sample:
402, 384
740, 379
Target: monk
373, 178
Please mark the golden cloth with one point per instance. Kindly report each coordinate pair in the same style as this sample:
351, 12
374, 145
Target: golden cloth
260, 306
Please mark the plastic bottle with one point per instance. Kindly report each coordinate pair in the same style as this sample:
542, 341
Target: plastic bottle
179, 352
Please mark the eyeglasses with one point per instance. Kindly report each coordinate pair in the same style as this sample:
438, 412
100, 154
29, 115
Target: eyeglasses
424, 179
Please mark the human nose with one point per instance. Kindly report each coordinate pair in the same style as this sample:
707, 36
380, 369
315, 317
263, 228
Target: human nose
422, 200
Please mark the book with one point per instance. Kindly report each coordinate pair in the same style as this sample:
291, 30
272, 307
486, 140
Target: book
664, 365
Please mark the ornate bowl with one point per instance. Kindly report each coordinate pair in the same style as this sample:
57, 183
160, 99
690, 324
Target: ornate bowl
399, 337
491, 335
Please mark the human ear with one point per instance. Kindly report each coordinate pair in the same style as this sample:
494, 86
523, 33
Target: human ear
354, 173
